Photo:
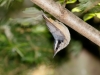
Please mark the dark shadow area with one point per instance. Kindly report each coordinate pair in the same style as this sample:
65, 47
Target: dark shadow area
90, 46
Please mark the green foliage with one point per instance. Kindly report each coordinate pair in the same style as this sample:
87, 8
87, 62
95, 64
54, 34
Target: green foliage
24, 44
88, 16
67, 1
25, 41
90, 6
7, 3
76, 9
24, 38
85, 6
71, 1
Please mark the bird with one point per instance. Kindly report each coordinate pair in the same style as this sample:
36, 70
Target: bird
60, 33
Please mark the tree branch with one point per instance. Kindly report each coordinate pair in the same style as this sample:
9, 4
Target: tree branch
70, 19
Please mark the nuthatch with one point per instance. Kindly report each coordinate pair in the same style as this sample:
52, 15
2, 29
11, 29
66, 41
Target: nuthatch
60, 33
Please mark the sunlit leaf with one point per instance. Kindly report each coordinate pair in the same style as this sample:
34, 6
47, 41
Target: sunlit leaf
98, 3
71, 1
76, 9
98, 15
67, 1
88, 16
39, 29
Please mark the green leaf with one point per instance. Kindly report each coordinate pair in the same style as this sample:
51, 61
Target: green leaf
2, 37
95, 9
31, 10
88, 16
98, 3
67, 1
76, 9
71, 1
97, 14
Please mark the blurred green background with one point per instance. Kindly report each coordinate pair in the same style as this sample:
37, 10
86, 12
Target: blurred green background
26, 45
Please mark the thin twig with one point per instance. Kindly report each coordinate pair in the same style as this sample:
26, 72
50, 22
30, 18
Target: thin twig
69, 19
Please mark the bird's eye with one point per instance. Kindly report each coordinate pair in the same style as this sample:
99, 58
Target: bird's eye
58, 44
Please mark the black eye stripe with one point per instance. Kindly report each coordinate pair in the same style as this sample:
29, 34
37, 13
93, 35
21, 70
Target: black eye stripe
59, 42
